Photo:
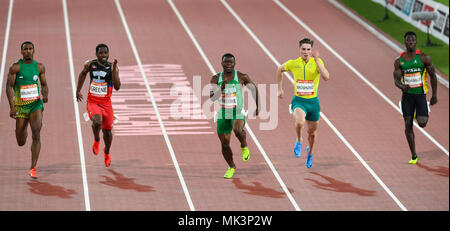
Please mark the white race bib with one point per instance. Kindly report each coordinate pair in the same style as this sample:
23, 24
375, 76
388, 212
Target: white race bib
99, 89
229, 100
305, 87
29, 92
413, 79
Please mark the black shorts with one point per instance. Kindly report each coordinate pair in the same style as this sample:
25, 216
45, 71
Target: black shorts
414, 102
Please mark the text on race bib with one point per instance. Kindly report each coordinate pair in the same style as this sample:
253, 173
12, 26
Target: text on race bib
413, 79
29, 92
229, 100
98, 89
305, 87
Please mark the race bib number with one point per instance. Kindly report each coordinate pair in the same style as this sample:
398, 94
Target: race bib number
29, 92
229, 100
98, 89
413, 79
305, 87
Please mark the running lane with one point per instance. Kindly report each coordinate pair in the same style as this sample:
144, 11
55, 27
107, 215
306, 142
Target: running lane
141, 176
59, 186
161, 39
373, 128
334, 182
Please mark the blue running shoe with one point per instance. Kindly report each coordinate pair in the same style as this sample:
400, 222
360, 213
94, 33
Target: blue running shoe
309, 158
298, 149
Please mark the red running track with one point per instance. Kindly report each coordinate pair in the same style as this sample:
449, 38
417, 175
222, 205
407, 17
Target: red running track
144, 176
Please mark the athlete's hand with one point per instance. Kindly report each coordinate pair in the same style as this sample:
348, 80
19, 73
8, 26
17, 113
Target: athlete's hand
280, 93
115, 64
44, 99
406, 88
433, 100
224, 83
256, 112
12, 112
79, 97
315, 53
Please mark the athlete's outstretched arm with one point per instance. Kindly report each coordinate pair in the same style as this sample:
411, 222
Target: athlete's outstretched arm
43, 80
322, 70
280, 71
252, 87
10, 82
115, 75
426, 60
81, 78
215, 91
398, 76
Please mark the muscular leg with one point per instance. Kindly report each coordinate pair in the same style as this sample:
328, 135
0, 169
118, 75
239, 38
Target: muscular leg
299, 116
238, 128
226, 149
36, 125
96, 125
312, 132
21, 131
410, 133
107, 137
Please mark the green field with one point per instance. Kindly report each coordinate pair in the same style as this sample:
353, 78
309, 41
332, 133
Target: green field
396, 28
445, 2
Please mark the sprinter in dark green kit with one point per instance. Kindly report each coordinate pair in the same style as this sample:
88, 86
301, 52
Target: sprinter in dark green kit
411, 71
25, 101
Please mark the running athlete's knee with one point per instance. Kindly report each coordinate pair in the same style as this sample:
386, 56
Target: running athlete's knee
225, 145
422, 121
36, 134
107, 132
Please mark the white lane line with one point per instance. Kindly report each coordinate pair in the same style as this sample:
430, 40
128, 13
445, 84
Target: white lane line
147, 85
379, 35
394, 105
75, 106
5, 45
268, 53
200, 50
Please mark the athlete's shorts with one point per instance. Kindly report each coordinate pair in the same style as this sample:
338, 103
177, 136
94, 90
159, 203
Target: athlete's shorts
24, 111
414, 102
225, 125
103, 109
310, 106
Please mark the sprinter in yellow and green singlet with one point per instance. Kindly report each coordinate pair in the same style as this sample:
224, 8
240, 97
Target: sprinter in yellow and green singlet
25, 101
307, 70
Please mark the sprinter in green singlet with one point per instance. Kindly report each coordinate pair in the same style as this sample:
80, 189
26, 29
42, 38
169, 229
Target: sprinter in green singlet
25, 101
230, 117
411, 71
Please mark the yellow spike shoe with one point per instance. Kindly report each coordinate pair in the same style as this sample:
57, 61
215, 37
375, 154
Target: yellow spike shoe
413, 161
229, 174
245, 154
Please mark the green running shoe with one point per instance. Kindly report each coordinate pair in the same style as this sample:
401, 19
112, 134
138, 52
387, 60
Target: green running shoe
245, 154
413, 161
229, 173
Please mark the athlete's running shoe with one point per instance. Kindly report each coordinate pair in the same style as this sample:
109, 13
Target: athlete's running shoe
229, 173
298, 149
309, 158
413, 160
107, 159
96, 147
32, 173
245, 154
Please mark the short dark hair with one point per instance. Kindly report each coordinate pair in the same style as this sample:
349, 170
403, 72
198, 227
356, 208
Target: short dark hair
26, 42
228, 55
305, 40
97, 48
409, 33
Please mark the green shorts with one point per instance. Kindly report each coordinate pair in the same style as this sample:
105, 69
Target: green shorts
225, 126
310, 106
24, 111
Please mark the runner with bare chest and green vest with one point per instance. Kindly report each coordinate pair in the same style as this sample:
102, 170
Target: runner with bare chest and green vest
25, 101
227, 89
411, 71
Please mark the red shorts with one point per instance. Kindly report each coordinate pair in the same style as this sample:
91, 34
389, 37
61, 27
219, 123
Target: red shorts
103, 109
